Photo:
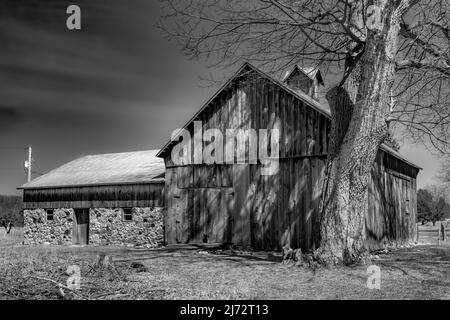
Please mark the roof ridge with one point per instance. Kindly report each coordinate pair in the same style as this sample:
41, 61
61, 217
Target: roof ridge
104, 154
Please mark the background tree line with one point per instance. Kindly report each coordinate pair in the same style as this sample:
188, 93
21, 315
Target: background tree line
433, 204
11, 210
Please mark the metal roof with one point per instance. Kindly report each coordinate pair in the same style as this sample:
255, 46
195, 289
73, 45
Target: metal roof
104, 169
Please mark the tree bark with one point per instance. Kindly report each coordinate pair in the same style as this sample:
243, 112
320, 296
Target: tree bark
359, 111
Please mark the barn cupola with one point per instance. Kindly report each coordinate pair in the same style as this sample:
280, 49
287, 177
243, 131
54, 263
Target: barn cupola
306, 80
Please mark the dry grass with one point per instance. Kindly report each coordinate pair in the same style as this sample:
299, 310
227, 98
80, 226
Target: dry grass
428, 234
411, 273
15, 236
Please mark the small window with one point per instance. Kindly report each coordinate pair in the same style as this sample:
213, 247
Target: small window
127, 214
50, 213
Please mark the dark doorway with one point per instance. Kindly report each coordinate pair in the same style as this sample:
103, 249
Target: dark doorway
81, 227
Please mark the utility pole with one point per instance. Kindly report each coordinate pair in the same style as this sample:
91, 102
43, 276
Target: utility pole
28, 165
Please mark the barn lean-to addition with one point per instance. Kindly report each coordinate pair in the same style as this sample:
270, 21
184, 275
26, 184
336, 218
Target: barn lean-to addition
234, 203
115, 198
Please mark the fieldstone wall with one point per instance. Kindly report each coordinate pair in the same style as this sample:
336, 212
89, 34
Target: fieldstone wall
37, 230
106, 227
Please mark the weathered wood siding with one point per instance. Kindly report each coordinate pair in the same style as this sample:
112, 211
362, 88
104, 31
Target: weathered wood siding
392, 205
113, 196
235, 203
243, 206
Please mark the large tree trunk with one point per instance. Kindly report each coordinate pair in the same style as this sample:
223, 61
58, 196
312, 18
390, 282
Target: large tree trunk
359, 110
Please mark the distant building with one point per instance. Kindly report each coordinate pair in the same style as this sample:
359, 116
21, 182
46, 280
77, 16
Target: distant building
104, 199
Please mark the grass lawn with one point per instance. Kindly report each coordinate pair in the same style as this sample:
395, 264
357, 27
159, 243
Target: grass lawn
422, 272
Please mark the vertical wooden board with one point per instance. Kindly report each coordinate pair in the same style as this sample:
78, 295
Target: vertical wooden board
241, 232
183, 215
190, 215
225, 111
320, 177
392, 208
270, 105
272, 213
316, 132
228, 195
75, 239
314, 204
222, 216
285, 188
216, 206
257, 105
292, 108
218, 174
276, 104
220, 109
169, 221
269, 231
215, 114
322, 132
297, 211
327, 129
291, 186
276, 209
401, 208
211, 210
250, 103
210, 177
274, 184
282, 113
302, 128
197, 211
286, 125
405, 220
260, 210
204, 217
238, 112
257, 209
307, 204
310, 132
397, 207
227, 178
414, 215
265, 115
296, 119
264, 212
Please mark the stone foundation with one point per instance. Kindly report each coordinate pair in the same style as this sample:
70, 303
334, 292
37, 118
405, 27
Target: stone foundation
37, 230
106, 227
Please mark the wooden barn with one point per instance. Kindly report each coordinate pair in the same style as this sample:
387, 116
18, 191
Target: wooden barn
115, 198
235, 203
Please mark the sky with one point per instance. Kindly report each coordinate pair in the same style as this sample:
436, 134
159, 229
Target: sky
116, 85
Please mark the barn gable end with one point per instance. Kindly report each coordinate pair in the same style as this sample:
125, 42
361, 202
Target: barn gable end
234, 203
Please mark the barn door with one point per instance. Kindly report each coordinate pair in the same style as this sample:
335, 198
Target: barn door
181, 216
211, 215
400, 207
217, 214
211, 204
81, 227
